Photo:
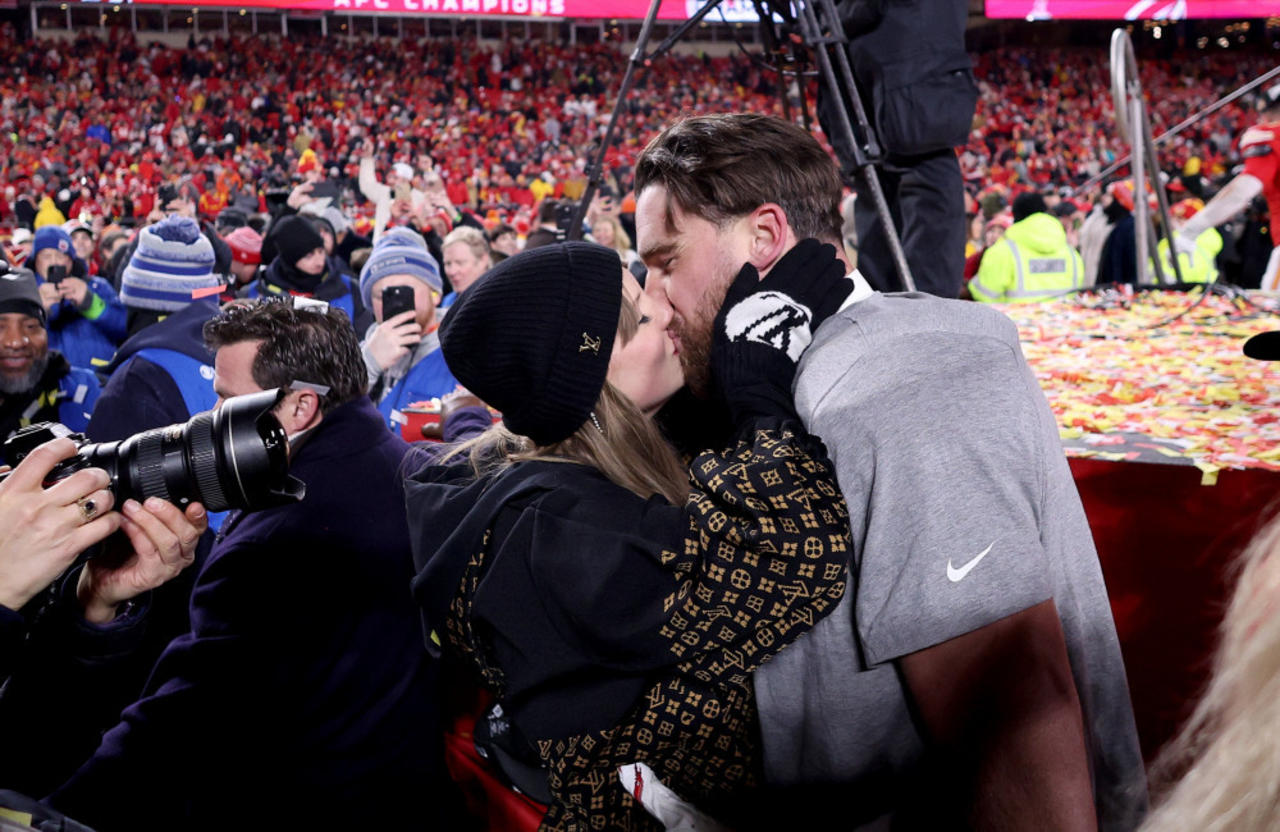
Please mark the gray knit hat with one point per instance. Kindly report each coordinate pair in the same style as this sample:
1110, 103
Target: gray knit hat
398, 251
173, 259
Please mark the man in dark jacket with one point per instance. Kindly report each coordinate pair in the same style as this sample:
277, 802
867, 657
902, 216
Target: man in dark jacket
917, 87
302, 693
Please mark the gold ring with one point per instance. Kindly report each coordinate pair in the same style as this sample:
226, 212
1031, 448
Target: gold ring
88, 508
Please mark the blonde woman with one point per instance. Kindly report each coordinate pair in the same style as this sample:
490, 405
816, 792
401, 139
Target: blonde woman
466, 257
613, 600
608, 232
1232, 741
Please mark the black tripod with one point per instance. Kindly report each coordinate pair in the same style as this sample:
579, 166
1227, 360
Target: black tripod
825, 43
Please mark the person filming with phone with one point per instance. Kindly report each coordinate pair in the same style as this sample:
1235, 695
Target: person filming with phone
401, 283
85, 317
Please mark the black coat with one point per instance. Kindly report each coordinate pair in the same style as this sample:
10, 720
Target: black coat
302, 693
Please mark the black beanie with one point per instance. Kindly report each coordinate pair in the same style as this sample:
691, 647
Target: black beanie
295, 238
18, 293
534, 335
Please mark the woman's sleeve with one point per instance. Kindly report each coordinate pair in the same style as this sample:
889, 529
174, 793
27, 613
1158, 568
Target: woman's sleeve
766, 552
756, 556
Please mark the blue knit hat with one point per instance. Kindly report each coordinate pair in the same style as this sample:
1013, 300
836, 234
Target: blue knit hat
52, 236
399, 251
172, 260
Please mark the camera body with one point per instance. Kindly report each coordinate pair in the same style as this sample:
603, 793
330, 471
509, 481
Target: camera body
56, 275
236, 456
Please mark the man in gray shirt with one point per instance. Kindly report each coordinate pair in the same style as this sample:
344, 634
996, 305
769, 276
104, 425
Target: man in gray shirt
972, 675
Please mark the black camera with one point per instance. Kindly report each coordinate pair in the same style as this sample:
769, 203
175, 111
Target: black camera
235, 456
56, 274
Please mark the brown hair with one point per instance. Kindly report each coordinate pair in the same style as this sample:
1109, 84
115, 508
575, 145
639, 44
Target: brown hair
719, 167
628, 447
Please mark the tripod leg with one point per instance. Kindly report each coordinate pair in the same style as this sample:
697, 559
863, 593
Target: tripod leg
813, 36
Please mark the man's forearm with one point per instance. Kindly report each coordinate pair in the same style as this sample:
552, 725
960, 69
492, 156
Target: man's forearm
1228, 202
1003, 721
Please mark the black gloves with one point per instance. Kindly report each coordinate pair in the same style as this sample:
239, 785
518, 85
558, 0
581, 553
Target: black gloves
764, 326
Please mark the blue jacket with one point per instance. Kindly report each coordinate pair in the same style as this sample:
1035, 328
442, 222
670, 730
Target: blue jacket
88, 338
428, 379
303, 693
158, 377
64, 394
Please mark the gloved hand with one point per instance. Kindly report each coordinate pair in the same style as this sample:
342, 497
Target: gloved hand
782, 311
1184, 244
764, 326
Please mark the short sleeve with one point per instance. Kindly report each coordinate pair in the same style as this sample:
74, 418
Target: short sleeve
939, 450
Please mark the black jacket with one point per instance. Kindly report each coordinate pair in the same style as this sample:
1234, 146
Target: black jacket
302, 693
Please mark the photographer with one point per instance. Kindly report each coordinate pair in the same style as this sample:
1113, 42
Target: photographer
302, 692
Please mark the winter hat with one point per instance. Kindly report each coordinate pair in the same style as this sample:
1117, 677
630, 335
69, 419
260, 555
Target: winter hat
534, 335
18, 293
245, 245
399, 251
173, 260
1027, 204
402, 170
295, 237
52, 236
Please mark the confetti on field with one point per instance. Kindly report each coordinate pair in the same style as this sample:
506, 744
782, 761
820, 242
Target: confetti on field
1180, 392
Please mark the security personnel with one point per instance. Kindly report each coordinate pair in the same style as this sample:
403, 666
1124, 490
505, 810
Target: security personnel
1198, 265
1032, 262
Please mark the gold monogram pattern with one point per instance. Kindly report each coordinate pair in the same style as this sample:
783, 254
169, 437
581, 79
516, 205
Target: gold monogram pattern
763, 560
589, 344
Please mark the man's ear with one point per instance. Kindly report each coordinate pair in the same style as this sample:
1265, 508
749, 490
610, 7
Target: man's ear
299, 411
770, 236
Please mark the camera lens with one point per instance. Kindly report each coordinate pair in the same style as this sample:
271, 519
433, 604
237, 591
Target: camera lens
236, 456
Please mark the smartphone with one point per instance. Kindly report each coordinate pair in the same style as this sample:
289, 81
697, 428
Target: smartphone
396, 299
56, 274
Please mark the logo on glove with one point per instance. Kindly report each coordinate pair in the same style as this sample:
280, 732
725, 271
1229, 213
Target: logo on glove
772, 319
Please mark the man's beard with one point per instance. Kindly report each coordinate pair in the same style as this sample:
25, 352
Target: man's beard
17, 385
696, 335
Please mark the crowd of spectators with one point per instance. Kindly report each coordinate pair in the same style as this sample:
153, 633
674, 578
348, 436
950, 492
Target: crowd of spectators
99, 126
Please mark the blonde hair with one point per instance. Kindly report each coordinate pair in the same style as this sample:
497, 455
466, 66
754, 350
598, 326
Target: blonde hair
621, 240
472, 238
1223, 770
628, 448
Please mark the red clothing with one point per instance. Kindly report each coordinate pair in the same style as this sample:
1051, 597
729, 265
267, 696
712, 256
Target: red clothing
1260, 146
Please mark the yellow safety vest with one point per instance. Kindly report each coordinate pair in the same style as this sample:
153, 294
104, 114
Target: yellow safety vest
1197, 266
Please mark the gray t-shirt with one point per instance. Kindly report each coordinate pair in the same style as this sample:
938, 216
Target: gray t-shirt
963, 512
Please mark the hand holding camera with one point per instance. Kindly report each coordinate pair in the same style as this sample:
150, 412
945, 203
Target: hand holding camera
159, 541
43, 530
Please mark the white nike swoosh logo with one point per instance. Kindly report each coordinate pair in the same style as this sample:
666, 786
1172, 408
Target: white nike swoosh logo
956, 575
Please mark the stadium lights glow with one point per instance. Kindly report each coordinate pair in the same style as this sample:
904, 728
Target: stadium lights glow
1158, 33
